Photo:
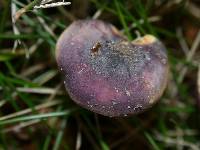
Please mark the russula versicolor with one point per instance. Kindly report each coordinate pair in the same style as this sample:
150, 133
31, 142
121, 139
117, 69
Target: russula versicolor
107, 74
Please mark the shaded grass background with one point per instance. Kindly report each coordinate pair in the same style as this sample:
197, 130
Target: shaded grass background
37, 113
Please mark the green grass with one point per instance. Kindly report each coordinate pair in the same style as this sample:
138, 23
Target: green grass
37, 113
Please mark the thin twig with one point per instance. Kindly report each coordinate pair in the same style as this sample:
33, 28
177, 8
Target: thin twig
25, 111
42, 90
46, 27
172, 141
185, 132
78, 140
2, 102
141, 21
46, 1
20, 12
97, 14
21, 125
52, 5
189, 56
182, 40
33, 69
15, 29
193, 9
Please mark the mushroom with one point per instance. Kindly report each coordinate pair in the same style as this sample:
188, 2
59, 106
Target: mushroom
107, 74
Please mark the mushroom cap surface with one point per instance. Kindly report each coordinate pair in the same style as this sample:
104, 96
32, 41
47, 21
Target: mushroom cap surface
107, 74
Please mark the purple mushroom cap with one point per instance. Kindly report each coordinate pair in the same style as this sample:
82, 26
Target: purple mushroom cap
107, 74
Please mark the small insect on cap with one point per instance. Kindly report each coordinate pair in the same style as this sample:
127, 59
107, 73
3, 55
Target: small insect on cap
106, 74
